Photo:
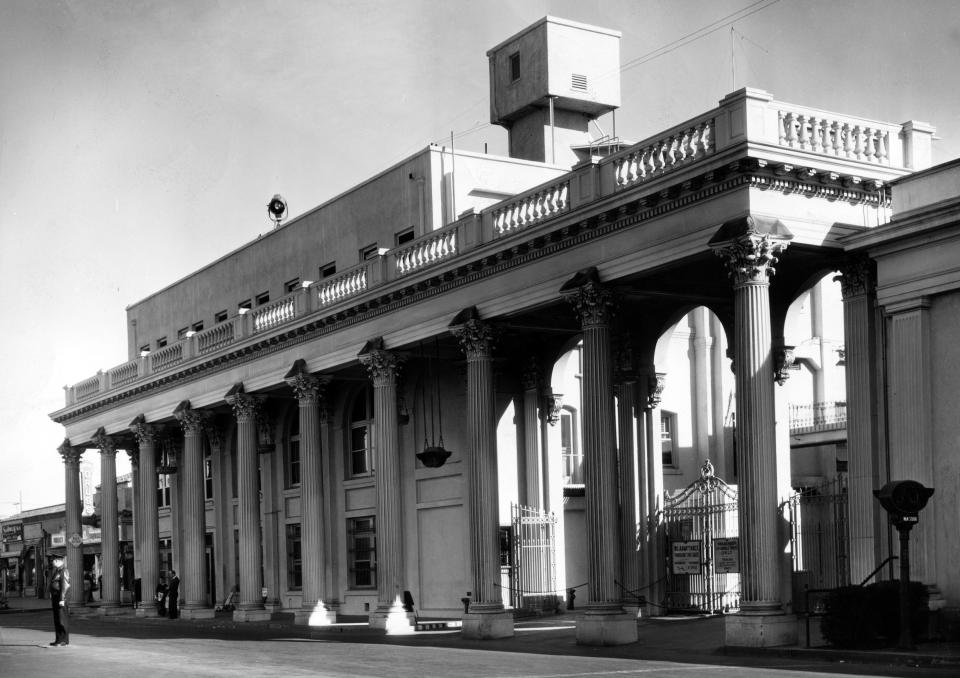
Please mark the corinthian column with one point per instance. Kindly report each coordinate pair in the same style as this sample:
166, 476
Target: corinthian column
486, 617
194, 512
109, 529
245, 406
148, 436
863, 445
71, 469
383, 367
309, 391
604, 621
750, 256
625, 391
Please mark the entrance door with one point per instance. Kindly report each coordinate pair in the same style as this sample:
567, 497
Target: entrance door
210, 572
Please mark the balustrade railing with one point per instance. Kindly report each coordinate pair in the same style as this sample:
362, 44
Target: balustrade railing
652, 158
744, 116
531, 208
818, 416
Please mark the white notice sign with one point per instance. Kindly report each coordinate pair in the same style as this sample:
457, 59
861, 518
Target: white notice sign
726, 555
686, 557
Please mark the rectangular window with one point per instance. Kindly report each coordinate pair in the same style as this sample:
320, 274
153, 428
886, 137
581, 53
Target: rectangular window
294, 560
220, 316
569, 451
359, 450
514, 66
163, 490
328, 270
197, 327
291, 285
207, 474
668, 427
293, 465
362, 545
245, 304
144, 349
369, 252
161, 342
263, 298
405, 236
182, 333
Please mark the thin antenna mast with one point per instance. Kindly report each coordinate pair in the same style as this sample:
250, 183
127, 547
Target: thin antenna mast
733, 63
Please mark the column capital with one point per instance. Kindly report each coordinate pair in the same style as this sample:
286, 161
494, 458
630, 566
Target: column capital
245, 406
592, 301
106, 443
214, 430
856, 276
191, 420
552, 404
476, 338
70, 454
309, 388
382, 365
145, 433
749, 247
656, 382
784, 360
532, 375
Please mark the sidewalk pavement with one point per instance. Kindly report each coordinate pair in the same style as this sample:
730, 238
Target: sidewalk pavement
674, 638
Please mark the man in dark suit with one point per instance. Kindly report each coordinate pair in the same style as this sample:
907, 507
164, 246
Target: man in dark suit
173, 594
59, 585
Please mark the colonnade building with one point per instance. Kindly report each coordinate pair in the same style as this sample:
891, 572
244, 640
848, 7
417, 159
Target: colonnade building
316, 419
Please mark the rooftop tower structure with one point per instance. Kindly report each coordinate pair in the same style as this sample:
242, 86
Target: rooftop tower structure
548, 82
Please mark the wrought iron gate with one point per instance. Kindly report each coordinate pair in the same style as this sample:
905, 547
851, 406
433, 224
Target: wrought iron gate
534, 581
702, 546
819, 535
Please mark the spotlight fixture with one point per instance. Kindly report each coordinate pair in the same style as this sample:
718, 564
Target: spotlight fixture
276, 209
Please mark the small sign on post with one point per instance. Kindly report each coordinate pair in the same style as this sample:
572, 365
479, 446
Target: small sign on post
687, 558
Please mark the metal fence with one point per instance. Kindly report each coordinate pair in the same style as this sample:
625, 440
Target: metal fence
533, 582
819, 535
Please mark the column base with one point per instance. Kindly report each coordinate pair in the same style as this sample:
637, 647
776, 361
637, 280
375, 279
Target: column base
197, 613
394, 620
606, 627
110, 609
487, 625
760, 630
315, 615
251, 614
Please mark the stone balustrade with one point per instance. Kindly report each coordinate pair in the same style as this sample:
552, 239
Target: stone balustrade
744, 119
678, 147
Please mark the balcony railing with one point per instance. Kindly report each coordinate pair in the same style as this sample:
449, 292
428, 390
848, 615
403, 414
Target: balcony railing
825, 139
826, 416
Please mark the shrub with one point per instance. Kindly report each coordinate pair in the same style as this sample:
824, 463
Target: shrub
869, 616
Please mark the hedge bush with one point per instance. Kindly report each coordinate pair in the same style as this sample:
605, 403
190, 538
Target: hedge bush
869, 616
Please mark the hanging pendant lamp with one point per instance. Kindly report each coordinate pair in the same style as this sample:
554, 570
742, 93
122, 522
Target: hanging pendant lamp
433, 454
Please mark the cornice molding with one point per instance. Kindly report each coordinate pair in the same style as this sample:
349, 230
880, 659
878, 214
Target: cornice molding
623, 209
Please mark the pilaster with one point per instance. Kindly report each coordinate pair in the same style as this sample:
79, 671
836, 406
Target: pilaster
858, 286
245, 409
650, 391
604, 622
486, 617
193, 507
383, 367
71, 468
532, 380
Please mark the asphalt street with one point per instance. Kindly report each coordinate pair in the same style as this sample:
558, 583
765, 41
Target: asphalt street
127, 646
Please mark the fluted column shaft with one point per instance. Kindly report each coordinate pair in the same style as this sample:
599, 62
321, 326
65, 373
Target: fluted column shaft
593, 302
109, 529
148, 437
629, 489
476, 340
531, 431
859, 328
308, 390
248, 498
193, 510
382, 367
651, 389
750, 261
71, 474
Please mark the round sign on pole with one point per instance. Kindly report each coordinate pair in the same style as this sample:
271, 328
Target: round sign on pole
76, 540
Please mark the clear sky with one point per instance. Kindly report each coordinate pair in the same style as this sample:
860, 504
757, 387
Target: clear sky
141, 139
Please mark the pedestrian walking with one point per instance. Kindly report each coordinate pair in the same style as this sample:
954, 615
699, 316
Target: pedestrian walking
59, 585
173, 594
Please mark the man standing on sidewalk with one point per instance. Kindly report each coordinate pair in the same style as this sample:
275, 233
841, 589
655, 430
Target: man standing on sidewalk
59, 585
